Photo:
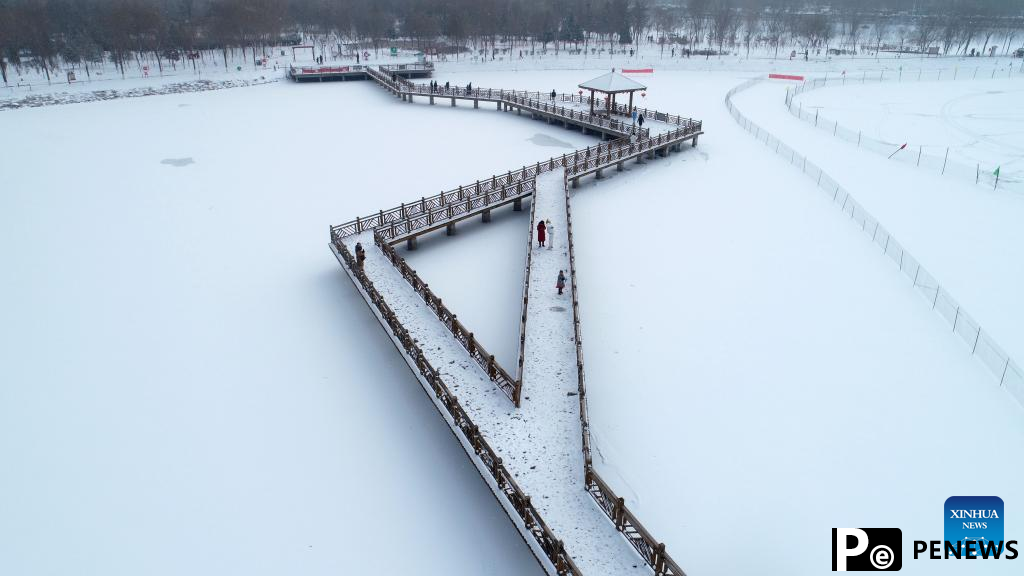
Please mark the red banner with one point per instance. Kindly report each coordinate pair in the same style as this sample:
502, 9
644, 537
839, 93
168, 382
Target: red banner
638, 71
785, 77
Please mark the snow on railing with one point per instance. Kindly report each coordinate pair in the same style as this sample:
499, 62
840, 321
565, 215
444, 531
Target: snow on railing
982, 344
510, 386
526, 295
553, 548
406, 219
613, 506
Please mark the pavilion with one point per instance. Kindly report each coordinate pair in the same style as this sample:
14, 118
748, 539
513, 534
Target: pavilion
611, 84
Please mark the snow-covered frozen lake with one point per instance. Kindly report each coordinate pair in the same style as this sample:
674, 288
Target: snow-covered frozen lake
979, 121
185, 367
190, 383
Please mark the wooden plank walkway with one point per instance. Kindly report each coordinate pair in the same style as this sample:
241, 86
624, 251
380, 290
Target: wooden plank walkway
535, 453
538, 443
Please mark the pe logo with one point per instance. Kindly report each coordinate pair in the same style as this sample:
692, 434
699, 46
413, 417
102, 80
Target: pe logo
975, 522
867, 549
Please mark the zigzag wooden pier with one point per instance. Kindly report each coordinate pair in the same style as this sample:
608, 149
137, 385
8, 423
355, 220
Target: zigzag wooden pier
526, 430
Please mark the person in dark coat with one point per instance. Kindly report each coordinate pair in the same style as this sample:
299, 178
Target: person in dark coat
360, 254
541, 233
553, 94
640, 120
446, 87
560, 284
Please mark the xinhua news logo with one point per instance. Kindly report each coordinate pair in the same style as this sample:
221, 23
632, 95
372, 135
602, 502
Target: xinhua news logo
867, 549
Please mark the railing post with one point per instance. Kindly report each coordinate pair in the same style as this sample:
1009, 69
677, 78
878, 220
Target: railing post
491, 371
496, 472
619, 513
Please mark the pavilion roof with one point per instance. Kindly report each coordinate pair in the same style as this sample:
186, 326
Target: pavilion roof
612, 82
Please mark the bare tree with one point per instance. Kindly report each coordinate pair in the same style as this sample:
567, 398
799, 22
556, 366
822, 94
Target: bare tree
751, 25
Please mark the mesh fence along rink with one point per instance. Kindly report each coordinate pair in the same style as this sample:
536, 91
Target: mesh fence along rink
938, 159
980, 343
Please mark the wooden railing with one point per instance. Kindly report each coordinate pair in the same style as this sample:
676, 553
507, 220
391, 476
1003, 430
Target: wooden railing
614, 506
432, 209
407, 218
526, 292
412, 66
458, 195
652, 551
535, 101
623, 109
581, 386
552, 547
428, 216
510, 386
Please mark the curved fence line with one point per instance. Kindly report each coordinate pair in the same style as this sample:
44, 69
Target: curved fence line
942, 160
519, 500
981, 344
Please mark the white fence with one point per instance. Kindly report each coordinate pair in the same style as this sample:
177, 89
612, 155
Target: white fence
980, 343
942, 160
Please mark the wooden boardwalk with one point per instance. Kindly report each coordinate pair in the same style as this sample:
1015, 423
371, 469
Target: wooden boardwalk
532, 446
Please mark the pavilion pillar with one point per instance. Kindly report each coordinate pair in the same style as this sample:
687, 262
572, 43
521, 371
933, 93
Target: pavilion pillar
631, 103
591, 102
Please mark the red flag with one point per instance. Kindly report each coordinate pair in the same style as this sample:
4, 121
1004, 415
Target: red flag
898, 149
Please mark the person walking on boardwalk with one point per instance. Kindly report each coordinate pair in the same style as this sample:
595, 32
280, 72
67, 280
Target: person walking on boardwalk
640, 120
446, 87
560, 284
360, 254
553, 94
541, 230
549, 230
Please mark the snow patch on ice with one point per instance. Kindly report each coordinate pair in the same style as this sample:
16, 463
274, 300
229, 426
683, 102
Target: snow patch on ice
178, 162
545, 140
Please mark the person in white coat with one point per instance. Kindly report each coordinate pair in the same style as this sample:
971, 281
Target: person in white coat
550, 228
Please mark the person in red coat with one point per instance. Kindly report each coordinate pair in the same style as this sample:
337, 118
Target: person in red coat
541, 230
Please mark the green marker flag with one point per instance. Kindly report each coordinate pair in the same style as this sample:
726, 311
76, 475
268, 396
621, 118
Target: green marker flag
996, 185
997, 172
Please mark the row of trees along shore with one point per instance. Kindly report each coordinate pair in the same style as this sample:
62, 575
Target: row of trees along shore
48, 34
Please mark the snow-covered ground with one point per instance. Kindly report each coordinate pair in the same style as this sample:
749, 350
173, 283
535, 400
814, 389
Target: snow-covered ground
539, 442
744, 340
765, 373
968, 237
188, 382
185, 368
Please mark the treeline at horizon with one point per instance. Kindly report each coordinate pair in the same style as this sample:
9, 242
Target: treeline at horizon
45, 34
